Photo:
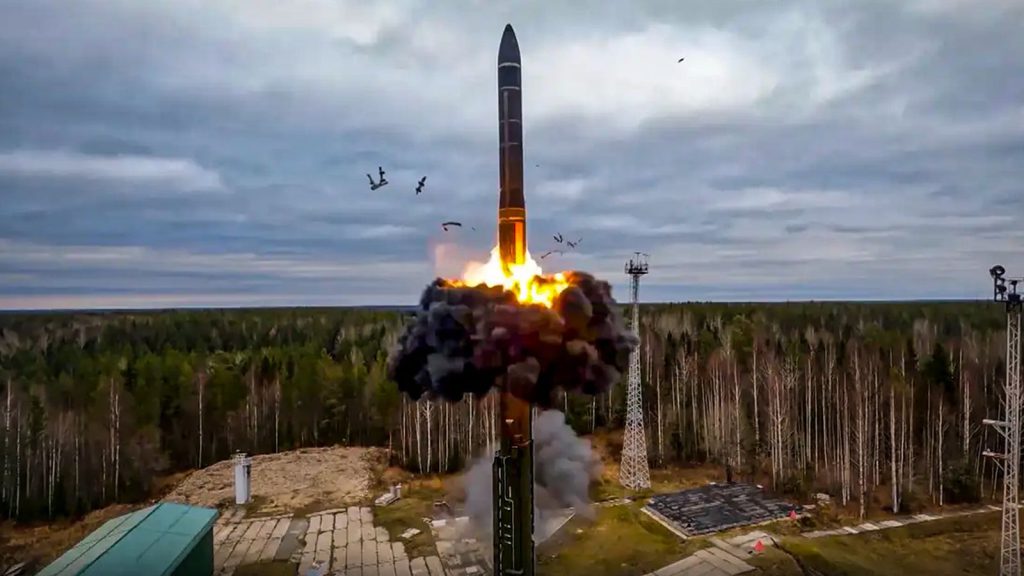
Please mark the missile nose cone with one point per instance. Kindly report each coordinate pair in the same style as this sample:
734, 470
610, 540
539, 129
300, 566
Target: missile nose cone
508, 51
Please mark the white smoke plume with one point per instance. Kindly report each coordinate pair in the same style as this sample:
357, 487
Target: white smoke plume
563, 466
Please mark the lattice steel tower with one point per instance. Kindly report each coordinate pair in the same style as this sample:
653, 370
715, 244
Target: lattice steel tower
1009, 427
633, 471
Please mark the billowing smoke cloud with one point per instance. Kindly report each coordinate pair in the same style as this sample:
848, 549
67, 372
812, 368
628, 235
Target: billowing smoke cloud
563, 466
464, 340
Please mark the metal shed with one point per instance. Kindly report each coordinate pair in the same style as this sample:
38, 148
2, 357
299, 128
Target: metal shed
163, 540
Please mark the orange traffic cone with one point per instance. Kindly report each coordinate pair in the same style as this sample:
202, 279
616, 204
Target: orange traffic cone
758, 547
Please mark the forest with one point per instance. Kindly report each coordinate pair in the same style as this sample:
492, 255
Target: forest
878, 404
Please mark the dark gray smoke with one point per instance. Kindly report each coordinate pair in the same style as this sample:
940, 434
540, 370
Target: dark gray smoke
563, 466
464, 340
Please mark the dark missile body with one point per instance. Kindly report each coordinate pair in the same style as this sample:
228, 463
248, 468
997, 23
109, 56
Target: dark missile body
513, 464
511, 204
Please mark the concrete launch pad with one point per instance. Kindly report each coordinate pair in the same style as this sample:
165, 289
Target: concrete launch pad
716, 507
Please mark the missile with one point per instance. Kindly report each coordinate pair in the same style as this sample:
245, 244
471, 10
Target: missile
511, 204
513, 462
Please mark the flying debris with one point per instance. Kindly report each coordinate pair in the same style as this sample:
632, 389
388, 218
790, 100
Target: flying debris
558, 238
445, 225
550, 252
574, 244
419, 187
382, 182
681, 59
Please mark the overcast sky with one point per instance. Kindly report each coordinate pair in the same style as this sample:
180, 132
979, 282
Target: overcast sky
214, 152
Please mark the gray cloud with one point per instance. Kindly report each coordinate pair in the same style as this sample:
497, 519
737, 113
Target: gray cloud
142, 173
216, 152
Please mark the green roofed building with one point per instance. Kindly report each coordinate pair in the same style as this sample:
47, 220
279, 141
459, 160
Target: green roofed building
162, 540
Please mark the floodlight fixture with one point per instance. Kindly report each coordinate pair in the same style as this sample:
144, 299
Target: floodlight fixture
1004, 289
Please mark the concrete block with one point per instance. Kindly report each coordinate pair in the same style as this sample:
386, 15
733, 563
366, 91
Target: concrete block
434, 566
353, 557
269, 549
369, 553
419, 567
323, 542
384, 552
403, 568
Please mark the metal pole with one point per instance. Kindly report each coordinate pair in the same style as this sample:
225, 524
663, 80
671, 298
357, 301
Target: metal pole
1009, 562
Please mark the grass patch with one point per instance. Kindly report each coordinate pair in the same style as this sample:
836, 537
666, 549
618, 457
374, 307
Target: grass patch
964, 545
278, 568
621, 540
774, 562
417, 503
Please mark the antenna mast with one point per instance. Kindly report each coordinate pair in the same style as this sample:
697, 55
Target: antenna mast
633, 471
1009, 427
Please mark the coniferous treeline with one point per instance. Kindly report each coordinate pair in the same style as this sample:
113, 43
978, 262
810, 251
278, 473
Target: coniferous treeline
849, 398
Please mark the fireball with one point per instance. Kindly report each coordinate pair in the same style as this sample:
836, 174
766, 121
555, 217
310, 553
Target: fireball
525, 280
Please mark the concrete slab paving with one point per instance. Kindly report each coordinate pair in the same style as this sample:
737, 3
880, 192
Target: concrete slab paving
434, 566
419, 567
368, 532
702, 569
280, 528
403, 567
269, 550
384, 552
354, 534
369, 553
251, 531
728, 562
676, 567
354, 556
729, 548
327, 522
238, 553
323, 542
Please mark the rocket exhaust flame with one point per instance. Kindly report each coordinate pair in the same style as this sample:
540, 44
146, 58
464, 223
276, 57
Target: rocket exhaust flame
525, 280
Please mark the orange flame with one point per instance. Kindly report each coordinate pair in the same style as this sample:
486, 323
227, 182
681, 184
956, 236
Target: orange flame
526, 280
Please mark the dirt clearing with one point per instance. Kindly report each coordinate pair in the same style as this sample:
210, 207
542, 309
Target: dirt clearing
288, 481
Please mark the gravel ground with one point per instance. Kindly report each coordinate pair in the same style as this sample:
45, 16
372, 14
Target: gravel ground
287, 481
